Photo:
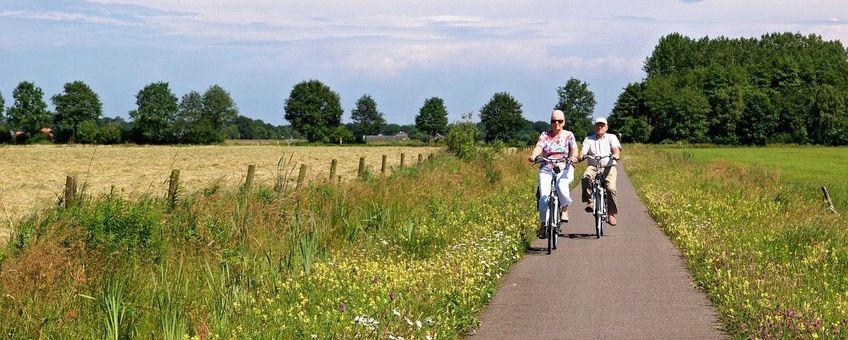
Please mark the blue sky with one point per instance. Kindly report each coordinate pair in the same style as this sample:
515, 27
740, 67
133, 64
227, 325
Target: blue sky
400, 52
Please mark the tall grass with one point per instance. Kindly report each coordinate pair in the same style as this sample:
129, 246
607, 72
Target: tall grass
771, 259
414, 254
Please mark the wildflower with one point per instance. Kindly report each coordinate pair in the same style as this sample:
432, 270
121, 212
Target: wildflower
392, 296
343, 307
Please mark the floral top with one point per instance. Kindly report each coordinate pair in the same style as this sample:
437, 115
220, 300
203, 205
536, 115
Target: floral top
555, 147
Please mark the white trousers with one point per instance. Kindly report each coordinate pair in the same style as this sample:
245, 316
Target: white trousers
564, 178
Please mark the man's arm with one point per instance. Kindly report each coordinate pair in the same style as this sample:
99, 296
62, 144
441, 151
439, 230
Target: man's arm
615, 146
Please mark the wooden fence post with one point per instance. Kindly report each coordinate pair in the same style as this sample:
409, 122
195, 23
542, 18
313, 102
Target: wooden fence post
361, 172
70, 191
420, 158
333, 164
248, 182
402, 156
173, 188
301, 176
827, 200
383, 166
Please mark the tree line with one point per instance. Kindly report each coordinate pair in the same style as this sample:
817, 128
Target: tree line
313, 109
160, 117
315, 112
780, 88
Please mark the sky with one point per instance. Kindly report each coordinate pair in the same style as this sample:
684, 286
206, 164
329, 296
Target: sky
400, 52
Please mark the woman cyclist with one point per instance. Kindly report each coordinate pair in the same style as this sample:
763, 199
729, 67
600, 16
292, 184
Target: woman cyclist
556, 143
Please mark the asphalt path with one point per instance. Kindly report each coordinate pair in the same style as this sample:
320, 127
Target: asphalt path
632, 283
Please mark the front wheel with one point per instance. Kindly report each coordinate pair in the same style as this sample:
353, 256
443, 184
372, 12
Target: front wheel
598, 199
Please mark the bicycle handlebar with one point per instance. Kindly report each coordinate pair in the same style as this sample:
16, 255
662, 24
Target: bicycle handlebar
599, 158
540, 159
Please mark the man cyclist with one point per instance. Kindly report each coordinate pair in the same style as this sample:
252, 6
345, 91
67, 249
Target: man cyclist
601, 143
556, 143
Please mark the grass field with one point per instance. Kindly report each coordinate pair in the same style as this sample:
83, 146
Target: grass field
755, 233
34, 176
806, 168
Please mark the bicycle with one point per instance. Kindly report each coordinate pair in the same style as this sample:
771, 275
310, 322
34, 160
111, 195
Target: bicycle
552, 231
599, 195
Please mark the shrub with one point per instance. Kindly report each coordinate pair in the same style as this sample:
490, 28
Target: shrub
462, 139
87, 132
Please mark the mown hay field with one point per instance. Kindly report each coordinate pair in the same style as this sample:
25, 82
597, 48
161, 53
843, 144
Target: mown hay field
34, 175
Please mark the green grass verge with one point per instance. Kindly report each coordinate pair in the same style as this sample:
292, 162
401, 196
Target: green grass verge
806, 169
416, 254
771, 259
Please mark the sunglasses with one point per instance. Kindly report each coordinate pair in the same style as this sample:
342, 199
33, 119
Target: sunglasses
557, 121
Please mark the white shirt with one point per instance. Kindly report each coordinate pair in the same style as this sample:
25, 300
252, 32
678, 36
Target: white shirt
594, 146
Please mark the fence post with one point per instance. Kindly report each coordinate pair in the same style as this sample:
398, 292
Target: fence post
827, 200
361, 171
333, 164
70, 191
301, 176
420, 158
383, 166
248, 182
173, 188
402, 156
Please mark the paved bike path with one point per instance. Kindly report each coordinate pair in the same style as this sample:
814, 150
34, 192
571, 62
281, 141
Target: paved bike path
632, 283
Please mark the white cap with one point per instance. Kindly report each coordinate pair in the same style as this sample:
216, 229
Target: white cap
600, 120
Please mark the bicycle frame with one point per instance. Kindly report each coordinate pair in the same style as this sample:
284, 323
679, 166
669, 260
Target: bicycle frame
553, 219
599, 195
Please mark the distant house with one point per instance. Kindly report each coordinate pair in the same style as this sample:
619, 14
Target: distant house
400, 136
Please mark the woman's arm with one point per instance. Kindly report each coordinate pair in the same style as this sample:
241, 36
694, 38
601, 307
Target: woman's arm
536, 152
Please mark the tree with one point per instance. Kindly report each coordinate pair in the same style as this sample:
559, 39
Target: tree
831, 123
578, 104
432, 118
190, 127
77, 104
367, 120
2, 109
219, 109
157, 109
502, 117
758, 119
29, 112
313, 110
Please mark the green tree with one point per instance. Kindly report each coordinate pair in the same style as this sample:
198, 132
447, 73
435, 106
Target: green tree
759, 119
313, 110
78, 103
502, 117
190, 125
154, 119
29, 112
432, 118
2, 109
578, 104
219, 109
367, 120
831, 123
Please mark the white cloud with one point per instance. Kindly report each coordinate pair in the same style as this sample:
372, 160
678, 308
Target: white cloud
63, 16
